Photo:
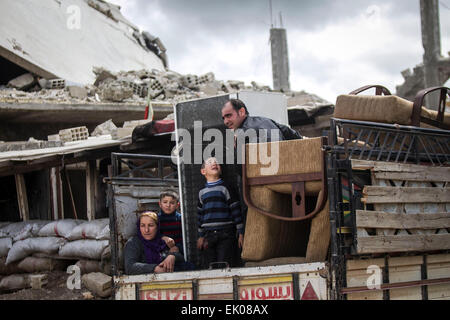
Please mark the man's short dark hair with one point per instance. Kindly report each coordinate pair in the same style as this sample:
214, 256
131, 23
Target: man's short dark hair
238, 104
169, 193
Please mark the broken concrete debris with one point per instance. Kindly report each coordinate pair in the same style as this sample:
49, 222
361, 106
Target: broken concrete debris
28, 145
106, 127
115, 92
124, 86
77, 92
23, 82
98, 283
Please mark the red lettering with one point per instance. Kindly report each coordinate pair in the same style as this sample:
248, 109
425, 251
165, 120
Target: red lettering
177, 295
244, 294
150, 295
288, 292
273, 295
261, 294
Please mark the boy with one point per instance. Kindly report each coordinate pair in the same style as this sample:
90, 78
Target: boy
170, 219
219, 216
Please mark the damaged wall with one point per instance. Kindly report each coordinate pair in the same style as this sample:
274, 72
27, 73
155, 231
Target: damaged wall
32, 32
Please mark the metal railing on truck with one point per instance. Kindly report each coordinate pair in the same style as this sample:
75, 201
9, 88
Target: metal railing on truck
142, 177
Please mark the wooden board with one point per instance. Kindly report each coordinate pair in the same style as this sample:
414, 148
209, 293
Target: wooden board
399, 171
404, 269
403, 243
438, 266
22, 197
377, 219
90, 189
358, 275
376, 194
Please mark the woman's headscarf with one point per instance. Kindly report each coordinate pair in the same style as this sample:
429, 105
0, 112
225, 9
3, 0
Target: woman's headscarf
154, 247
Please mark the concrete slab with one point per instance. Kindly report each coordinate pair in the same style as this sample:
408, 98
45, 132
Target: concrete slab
66, 39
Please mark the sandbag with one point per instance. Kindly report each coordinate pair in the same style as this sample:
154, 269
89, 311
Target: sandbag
88, 266
5, 245
24, 248
31, 229
105, 234
106, 254
34, 264
59, 228
90, 230
4, 224
12, 229
91, 249
15, 282
11, 268
106, 267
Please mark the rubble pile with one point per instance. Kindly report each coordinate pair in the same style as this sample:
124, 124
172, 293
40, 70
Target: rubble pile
163, 85
122, 87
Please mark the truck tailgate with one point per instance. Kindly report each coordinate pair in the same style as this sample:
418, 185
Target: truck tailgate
286, 282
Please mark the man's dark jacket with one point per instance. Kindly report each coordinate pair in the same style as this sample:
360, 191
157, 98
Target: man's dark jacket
284, 133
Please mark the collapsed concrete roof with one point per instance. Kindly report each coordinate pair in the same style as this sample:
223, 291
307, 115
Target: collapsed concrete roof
66, 39
22, 161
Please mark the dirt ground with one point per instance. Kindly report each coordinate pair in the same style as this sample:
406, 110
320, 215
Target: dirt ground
55, 289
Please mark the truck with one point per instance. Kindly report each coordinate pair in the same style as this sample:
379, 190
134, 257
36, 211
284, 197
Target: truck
368, 218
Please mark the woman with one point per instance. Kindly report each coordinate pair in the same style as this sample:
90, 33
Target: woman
147, 252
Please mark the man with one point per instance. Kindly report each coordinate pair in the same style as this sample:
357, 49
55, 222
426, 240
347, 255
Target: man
235, 116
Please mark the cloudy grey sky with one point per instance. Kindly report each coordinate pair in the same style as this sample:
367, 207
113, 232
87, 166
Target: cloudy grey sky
334, 46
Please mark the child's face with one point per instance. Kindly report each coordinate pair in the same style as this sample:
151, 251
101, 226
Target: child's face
212, 168
168, 205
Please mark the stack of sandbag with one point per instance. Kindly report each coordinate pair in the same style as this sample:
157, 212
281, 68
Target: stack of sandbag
15, 235
89, 241
38, 237
26, 246
17, 244
6, 243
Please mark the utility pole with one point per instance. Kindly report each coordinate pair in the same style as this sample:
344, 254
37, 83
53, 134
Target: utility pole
280, 60
431, 40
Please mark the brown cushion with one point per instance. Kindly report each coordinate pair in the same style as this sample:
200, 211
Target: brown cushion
387, 109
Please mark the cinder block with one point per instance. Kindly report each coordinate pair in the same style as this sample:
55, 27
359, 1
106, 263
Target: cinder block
98, 283
37, 281
56, 84
74, 134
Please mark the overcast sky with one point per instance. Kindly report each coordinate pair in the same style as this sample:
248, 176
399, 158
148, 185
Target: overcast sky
334, 46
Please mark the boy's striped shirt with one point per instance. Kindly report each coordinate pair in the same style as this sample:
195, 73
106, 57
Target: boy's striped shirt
218, 207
